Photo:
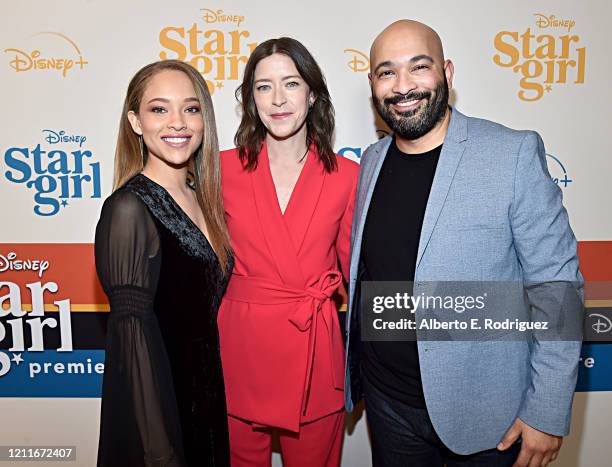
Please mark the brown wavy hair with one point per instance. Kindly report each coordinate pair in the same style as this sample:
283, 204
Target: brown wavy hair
320, 120
204, 166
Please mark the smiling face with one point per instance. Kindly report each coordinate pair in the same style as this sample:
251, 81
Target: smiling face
409, 79
281, 96
169, 119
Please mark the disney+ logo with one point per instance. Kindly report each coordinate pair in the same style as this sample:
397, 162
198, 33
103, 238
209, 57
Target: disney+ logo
558, 172
598, 325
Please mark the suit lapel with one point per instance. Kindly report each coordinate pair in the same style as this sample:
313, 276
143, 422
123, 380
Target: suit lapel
366, 189
304, 199
452, 151
276, 234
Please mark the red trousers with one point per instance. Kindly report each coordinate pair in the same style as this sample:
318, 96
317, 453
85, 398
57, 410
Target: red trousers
318, 444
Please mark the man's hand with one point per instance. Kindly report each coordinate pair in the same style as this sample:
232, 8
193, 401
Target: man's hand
538, 449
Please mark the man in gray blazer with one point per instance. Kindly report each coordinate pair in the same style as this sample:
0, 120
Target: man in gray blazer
454, 198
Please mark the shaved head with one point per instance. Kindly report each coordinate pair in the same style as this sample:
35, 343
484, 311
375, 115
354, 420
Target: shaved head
410, 81
405, 31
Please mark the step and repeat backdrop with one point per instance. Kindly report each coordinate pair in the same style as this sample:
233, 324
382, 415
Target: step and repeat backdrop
64, 70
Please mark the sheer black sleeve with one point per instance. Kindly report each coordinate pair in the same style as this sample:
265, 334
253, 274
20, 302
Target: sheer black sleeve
126, 241
139, 420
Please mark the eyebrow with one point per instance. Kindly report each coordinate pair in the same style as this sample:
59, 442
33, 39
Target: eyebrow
163, 99
414, 59
283, 79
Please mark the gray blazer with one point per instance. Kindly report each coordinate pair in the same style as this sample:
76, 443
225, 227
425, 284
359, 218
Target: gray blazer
493, 214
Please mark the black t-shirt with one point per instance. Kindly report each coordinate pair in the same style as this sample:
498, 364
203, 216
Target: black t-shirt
388, 253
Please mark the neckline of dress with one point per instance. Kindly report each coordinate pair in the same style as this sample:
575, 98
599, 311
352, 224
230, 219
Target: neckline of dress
297, 182
181, 211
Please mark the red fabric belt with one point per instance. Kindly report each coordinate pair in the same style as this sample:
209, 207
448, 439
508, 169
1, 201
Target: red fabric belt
311, 303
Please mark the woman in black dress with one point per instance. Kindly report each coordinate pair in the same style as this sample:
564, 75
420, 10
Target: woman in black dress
163, 258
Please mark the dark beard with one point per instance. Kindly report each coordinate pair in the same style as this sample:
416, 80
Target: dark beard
415, 123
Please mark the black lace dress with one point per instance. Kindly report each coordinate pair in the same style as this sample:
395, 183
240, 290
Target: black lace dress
163, 399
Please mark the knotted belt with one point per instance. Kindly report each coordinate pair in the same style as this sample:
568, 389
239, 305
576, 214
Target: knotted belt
310, 303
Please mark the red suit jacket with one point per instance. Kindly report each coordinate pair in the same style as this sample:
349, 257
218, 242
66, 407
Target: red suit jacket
281, 345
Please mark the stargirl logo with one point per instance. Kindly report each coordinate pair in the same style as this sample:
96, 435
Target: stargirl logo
355, 152
58, 171
542, 60
68, 58
359, 62
219, 54
18, 321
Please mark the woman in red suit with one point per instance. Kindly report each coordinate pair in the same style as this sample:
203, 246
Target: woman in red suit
289, 204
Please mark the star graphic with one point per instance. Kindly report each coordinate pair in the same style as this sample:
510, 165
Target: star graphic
548, 88
17, 358
219, 84
64, 203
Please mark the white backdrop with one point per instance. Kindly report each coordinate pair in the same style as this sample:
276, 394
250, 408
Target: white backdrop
64, 70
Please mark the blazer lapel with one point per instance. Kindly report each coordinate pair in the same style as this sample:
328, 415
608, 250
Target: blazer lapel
304, 199
452, 151
273, 225
366, 189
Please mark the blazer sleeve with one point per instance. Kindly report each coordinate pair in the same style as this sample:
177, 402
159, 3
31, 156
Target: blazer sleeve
547, 251
139, 420
343, 240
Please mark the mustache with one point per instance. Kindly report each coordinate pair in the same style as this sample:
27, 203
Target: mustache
413, 95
